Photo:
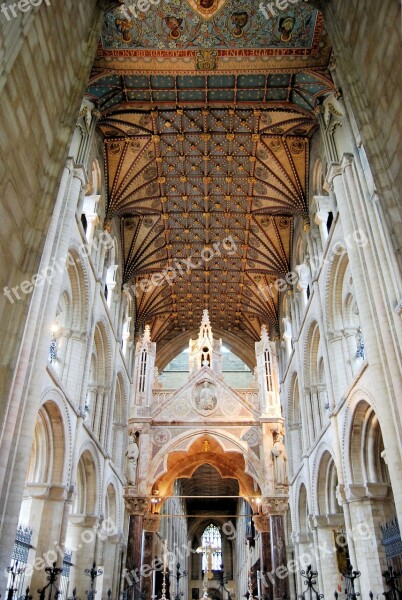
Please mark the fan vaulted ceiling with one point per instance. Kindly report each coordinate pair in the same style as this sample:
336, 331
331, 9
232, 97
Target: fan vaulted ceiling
206, 131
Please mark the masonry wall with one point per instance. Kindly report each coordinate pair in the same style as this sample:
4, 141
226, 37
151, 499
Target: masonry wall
45, 59
367, 40
341, 374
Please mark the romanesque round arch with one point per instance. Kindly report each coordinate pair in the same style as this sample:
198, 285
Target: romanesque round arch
55, 396
118, 517
102, 350
89, 454
337, 265
301, 506
322, 479
311, 352
361, 431
78, 277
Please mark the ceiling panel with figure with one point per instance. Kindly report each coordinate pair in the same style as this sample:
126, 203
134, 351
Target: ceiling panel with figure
207, 113
233, 37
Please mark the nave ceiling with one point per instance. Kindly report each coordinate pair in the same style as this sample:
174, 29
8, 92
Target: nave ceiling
206, 134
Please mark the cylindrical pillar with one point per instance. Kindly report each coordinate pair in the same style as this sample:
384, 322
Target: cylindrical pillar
146, 563
278, 557
261, 523
275, 508
136, 508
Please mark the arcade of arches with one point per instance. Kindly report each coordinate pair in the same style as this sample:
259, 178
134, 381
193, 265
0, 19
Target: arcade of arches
201, 235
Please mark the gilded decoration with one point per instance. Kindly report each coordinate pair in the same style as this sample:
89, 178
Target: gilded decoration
192, 227
207, 9
170, 34
206, 60
208, 109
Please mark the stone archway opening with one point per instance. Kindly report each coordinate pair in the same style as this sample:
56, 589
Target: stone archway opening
206, 450
206, 504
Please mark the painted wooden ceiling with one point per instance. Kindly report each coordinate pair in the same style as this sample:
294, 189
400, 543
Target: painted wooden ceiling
206, 138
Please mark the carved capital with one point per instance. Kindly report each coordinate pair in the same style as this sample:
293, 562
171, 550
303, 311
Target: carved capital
334, 170
261, 523
347, 161
151, 523
136, 505
275, 506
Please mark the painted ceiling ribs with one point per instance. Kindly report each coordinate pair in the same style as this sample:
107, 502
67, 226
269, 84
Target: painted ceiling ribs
207, 138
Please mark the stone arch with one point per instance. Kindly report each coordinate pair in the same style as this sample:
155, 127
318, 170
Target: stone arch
314, 379
47, 462
302, 511
337, 267
311, 349
294, 421
181, 456
115, 483
318, 178
111, 504
72, 322
80, 290
324, 483
87, 500
98, 404
56, 397
95, 181
342, 316
300, 248
120, 418
364, 461
102, 351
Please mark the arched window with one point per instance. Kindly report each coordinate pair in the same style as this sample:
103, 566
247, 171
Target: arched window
268, 370
143, 370
211, 549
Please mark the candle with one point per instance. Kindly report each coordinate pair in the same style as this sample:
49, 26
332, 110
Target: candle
248, 556
259, 585
165, 557
153, 584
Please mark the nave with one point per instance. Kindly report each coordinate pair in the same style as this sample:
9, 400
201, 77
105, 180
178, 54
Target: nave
200, 374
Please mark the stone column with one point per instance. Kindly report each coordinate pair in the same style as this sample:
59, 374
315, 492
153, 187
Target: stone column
28, 381
369, 506
275, 508
47, 512
151, 525
81, 538
321, 219
310, 416
261, 523
136, 508
325, 527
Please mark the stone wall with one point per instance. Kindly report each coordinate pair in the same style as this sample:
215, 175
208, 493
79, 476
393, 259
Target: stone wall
366, 36
45, 59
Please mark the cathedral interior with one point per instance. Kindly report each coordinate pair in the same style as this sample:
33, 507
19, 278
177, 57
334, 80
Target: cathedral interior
200, 241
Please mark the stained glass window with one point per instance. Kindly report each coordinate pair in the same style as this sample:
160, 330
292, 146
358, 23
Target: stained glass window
212, 549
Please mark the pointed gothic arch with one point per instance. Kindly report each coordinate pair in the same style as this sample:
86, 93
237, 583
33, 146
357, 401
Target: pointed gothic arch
183, 455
